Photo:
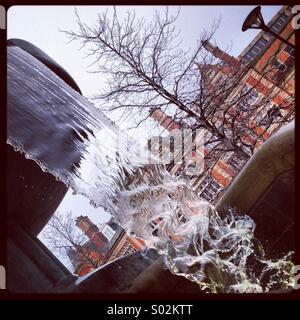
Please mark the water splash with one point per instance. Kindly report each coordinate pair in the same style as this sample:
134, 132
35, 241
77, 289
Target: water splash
219, 254
68, 137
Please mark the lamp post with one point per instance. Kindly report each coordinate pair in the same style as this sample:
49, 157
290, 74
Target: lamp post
255, 20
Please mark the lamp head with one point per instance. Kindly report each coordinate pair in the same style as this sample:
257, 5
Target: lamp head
254, 20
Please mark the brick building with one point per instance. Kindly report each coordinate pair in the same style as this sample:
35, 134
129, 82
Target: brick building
266, 70
106, 243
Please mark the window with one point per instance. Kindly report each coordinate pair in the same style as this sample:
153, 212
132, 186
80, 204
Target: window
250, 55
279, 23
207, 195
235, 162
248, 96
260, 115
153, 224
214, 186
209, 189
256, 49
279, 65
181, 218
260, 44
210, 141
108, 232
252, 96
282, 67
266, 121
212, 74
271, 116
213, 144
290, 50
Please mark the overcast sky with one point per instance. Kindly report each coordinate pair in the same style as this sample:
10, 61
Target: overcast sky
41, 24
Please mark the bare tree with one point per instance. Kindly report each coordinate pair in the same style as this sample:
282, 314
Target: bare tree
64, 238
147, 70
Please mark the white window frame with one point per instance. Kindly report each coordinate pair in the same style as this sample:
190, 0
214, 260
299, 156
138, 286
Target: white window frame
209, 189
253, 52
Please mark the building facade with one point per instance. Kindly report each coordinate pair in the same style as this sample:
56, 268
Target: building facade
266, 71
105, 243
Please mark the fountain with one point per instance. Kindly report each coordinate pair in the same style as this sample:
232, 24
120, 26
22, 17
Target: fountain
66, 141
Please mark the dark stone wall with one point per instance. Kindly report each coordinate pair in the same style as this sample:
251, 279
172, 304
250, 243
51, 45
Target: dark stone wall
265, 190
31, 267
32, 195
274, 215
117, 276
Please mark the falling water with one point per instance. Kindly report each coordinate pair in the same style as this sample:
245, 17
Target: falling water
67, 136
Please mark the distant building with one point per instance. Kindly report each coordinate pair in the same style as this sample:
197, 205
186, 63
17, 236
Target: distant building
267, 67
106, 243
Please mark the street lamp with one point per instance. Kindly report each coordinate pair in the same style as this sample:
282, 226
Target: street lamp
255, 20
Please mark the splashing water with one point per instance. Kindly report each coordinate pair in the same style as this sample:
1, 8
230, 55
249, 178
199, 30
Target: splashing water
79, 146
219, 254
